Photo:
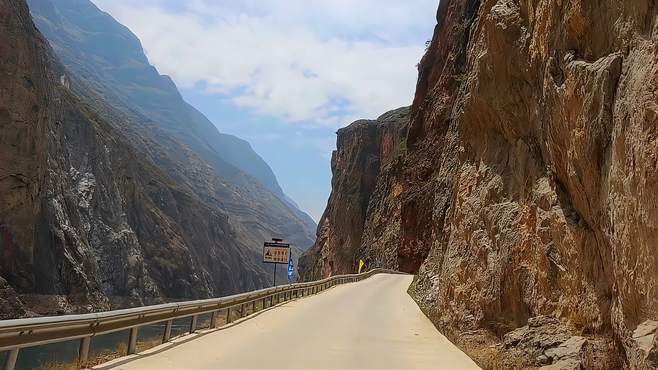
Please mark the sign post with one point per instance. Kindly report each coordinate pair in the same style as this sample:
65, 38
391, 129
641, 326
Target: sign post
276, 252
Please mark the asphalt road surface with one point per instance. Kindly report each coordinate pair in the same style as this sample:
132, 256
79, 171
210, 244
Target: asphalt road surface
373, 324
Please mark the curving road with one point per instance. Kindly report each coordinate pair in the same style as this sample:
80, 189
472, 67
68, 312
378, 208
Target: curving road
373, 324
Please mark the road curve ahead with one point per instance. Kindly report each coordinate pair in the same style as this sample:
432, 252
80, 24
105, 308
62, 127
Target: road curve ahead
373, 324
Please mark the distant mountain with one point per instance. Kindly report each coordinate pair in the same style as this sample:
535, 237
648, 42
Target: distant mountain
108, 60
97, 48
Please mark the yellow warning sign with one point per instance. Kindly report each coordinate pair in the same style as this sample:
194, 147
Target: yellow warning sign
276, 253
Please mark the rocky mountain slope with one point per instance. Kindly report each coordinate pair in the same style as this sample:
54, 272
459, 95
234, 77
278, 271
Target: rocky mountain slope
106, 54
96, 214
108, 67
525, 194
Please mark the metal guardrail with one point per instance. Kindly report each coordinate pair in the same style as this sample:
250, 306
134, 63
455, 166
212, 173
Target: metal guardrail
22, 333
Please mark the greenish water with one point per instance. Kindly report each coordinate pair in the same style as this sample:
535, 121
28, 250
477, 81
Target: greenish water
35, 357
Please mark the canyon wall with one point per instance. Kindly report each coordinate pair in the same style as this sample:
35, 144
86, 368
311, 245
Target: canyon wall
525, 194
364, 148
88, 220
107, 66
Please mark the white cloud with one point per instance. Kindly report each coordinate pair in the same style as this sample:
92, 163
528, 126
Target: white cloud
317, 62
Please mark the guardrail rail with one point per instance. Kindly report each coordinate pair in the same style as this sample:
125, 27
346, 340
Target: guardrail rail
31, 332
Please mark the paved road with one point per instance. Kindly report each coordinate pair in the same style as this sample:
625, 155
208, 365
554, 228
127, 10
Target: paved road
373, 324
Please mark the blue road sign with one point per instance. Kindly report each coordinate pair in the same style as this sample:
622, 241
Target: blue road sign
291, 269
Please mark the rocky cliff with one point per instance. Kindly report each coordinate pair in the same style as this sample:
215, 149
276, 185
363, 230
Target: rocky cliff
365, 148
109, 69
525, 197
88, 220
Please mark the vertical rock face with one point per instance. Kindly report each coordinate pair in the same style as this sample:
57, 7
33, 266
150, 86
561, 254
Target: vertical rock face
528, 178
87, 221
364, 148
24, 119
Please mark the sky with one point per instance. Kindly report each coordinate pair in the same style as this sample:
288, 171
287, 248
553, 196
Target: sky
286, 74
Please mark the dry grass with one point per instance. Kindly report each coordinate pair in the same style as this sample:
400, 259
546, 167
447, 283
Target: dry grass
52, 365
148, 344
96, 359
487, 351
108, 355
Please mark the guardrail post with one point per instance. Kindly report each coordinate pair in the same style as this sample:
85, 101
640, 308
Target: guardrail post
253, 307
167, 332
10, 362
132, 340
83, 352
264, 300
213, 320
228, 315
193, 323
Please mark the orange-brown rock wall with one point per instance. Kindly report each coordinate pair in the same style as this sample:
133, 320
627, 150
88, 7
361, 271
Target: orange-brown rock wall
527, 185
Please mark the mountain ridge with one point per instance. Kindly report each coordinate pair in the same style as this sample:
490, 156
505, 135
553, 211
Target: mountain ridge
80, 32
78, 29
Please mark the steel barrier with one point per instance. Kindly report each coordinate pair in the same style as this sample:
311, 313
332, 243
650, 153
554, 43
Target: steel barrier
22, 333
